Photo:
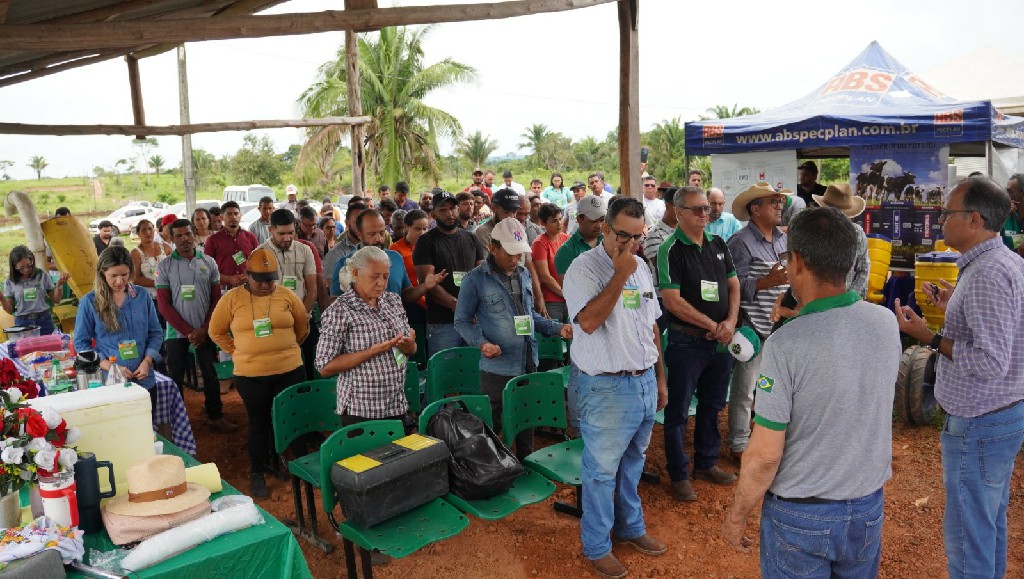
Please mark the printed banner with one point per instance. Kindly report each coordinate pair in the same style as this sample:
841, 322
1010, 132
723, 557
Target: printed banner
734, 174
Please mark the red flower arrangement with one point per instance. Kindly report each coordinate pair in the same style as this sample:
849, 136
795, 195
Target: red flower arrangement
11, 378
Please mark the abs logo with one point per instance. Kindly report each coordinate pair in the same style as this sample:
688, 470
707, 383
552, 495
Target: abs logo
860, 86
949, 123
714, 135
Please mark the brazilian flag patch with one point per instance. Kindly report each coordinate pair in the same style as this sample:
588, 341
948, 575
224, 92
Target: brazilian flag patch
765, 383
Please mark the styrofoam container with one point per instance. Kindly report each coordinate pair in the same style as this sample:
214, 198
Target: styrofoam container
116, 424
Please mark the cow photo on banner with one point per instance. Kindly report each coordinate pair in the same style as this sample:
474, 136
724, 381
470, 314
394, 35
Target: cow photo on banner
903, 186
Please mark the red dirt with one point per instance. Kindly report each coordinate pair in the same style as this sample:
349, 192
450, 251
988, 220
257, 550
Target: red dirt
537, 542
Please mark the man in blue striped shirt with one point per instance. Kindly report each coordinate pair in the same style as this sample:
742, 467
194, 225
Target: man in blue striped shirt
980, 380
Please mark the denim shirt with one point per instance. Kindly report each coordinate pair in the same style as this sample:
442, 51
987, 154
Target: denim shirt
484, 313
138, 322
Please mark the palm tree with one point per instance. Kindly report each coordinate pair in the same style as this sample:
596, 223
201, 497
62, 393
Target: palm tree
38, 164
394, 82
156, 162
724, 112
476, 148
534, 137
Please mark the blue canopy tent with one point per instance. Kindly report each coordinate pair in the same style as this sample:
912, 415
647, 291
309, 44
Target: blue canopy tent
874, 100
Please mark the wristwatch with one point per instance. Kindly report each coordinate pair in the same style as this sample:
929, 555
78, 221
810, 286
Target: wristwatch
936, 340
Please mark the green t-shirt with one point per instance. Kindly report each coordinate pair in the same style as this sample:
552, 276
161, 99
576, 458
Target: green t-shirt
571, 249
1013, 231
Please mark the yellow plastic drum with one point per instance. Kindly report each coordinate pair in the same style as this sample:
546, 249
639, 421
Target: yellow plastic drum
880, 255
73, 251
931, 267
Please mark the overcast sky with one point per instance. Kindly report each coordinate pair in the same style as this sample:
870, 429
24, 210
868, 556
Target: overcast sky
557, 69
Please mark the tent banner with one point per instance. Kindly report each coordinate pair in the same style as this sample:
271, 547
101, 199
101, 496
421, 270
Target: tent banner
734, 174
904, 187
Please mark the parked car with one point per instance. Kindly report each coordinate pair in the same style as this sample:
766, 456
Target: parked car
178, 209
125, 218
248, 193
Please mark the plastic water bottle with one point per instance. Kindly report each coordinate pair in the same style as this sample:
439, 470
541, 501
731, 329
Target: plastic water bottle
114, 375
55, 374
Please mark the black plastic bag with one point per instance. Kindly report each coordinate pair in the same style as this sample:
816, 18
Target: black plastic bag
481, 465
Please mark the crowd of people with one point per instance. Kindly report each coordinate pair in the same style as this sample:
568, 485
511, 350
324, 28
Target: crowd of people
339, 293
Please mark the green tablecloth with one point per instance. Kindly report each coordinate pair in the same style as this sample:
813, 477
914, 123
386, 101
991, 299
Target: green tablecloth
268, 550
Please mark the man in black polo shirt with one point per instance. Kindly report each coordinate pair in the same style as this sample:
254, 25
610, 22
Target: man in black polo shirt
449, 248
808, 184
701, 295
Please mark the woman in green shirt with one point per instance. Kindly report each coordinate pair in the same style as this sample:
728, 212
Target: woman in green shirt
557, 193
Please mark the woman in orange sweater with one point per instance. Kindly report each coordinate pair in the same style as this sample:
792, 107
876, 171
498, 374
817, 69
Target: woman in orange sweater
267, 322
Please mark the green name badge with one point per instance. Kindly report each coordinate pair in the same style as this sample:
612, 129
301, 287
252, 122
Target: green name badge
128, 350
290, 282
239, 257
188, 293
400, 356
30, 294
457, 277
170, 333
262, 327
708, 290
631, 297
524, 325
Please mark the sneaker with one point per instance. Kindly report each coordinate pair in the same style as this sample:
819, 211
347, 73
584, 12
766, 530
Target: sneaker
646, 544
714, 475
258, 486
609, 566
682, 490
221, 424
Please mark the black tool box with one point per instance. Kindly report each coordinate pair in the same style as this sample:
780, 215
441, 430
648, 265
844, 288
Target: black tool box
392, 479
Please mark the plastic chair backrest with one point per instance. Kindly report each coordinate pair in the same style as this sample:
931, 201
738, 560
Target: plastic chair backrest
420, 357
550, 348
303, 408
453, 371
530, 401
477, 404
349, 441
412, 387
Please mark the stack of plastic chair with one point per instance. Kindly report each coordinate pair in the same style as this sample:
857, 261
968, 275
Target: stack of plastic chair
880, 256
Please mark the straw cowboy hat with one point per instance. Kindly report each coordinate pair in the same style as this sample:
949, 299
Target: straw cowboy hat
156, 486
841, 197
756, 191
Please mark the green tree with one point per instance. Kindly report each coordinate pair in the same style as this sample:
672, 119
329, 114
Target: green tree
38, 164
394, 81
667, 145
724, 112
256, 162
156, 162
4, 166
533, 139
555, 151
588, 153
475, 148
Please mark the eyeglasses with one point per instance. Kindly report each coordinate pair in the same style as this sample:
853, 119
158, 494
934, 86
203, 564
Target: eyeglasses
27, 267
945, 213
623, 237
652, 185
776, 202
698, 210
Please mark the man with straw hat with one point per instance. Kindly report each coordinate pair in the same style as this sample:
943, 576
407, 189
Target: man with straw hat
758, 254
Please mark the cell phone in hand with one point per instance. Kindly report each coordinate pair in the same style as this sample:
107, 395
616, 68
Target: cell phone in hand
643, 154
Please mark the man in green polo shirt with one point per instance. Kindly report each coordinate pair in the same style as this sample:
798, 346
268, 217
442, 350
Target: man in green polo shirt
187, 290
590, 214
821, 447
1013, 227
701, 294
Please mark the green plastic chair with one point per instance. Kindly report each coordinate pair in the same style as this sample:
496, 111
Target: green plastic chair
225, 370
413, 390
420, 357
529, 488
453, 371
550, 348
563, 373
396, 537
536, 400
300, 409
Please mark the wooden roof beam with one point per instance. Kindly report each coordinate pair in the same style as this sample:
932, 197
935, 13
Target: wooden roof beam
239, 8
141, 131
102, 35
135, 86
61, 67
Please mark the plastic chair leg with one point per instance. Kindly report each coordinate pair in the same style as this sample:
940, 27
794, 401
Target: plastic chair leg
350, 559
298, 526
566, 508
314, 533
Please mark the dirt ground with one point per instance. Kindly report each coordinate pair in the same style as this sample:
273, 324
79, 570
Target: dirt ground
537, 542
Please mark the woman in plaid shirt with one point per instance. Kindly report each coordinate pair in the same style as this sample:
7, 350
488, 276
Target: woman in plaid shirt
366, 340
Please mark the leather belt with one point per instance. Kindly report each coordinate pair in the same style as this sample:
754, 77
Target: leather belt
802, 500
633, 373
696, 332
1001, 408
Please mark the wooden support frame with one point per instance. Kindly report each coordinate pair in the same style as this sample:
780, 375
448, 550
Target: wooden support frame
103, 35
629, 99
171, 130
135, 86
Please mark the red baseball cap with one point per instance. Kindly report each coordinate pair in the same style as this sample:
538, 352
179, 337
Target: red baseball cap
168, 219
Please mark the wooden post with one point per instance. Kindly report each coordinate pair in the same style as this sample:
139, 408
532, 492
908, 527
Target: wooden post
629, 99
187, 170
135, 86
355, 109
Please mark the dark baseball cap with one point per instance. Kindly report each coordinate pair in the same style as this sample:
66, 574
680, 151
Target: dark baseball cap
810, 166
507, 199
441, 197
578, 185
507, 174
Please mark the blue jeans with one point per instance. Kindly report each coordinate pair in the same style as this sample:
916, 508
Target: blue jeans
977, 461
841, 539
694, 366
441, 337
616, 418
43, 320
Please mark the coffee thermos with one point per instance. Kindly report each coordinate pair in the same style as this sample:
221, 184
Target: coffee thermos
87, 479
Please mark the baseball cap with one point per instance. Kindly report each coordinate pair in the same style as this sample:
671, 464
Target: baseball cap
592, 207
510, 233
578, 185
810, 166
507, 199
262, 261
507, 174
291, 190
441, 197
745, 344
478, 171
168, 219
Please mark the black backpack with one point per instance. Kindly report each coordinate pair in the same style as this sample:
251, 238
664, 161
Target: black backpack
481, 465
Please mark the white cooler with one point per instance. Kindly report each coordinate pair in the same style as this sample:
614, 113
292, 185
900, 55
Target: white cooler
116, 424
